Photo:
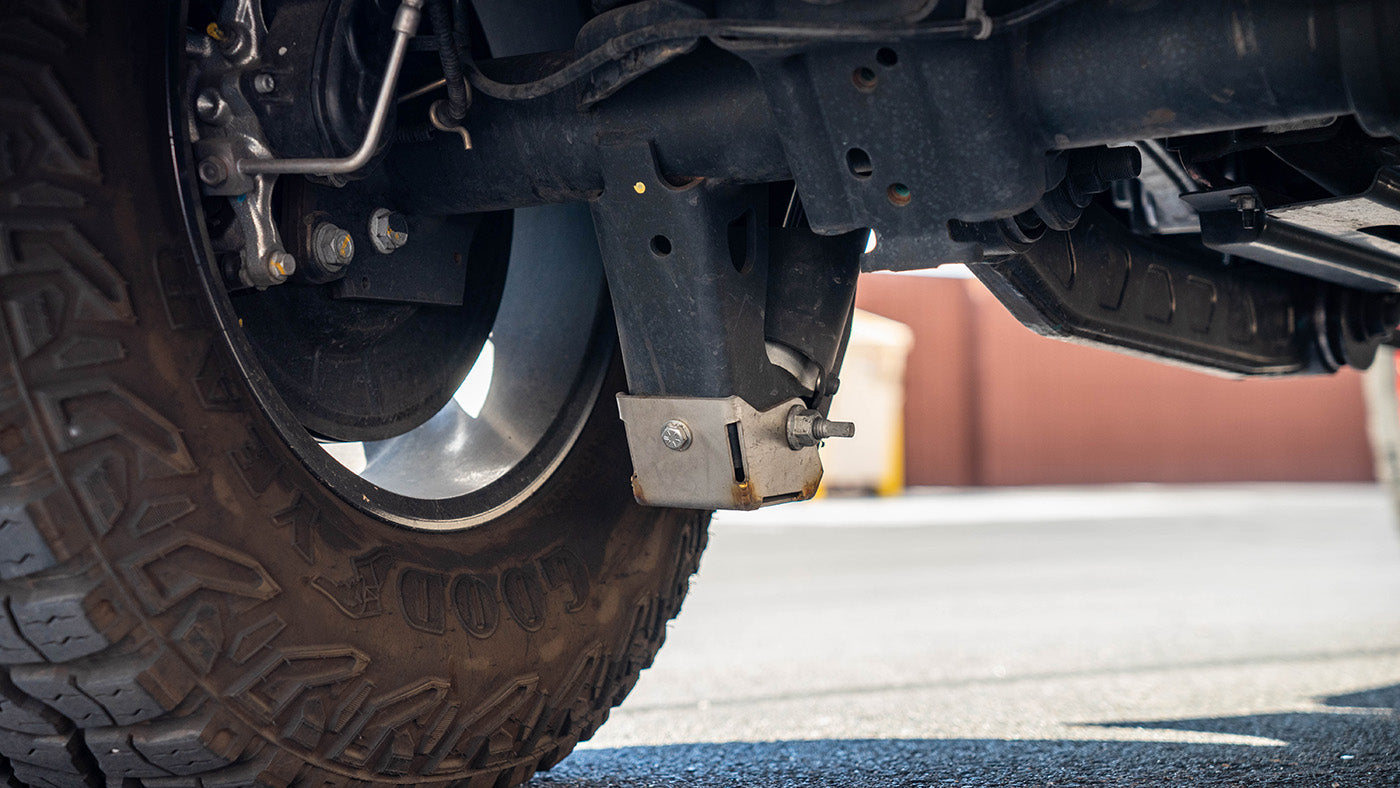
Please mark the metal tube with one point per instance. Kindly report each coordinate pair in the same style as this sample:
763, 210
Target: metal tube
1097, 72
406, 22
1107, 71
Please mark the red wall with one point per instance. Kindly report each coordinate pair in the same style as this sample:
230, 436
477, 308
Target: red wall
988, 402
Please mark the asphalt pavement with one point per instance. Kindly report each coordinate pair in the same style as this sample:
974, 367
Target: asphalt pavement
1129, 636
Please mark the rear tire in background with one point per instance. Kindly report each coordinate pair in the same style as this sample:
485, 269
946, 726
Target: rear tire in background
183, 602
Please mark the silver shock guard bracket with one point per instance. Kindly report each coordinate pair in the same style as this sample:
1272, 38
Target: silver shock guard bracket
716, 453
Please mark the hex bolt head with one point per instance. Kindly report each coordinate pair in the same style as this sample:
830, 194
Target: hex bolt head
264, 83
332, 247
211, 107
807, 427
1246, 202
387, 230
212, 172
676, 435
280, 265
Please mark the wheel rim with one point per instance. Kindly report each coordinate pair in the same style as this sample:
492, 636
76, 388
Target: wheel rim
501, 435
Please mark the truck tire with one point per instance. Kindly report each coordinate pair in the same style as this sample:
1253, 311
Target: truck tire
184, 599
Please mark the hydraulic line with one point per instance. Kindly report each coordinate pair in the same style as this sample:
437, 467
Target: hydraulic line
406, 21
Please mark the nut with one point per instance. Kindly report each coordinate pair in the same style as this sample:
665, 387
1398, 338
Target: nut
212, 172
280, 265
387, 230
807, 427
676, 435
332, 247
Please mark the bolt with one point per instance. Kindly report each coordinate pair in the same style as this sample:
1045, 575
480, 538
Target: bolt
1248, 206
211, 108
212, 172
825, 428
387, 230
807, 427
332, 247
280, 265
676, 435
264, 83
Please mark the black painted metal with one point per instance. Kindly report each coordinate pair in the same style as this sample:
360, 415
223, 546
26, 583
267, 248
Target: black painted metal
1099, 283
326, 59
1348, 240
946, 130
951, 151
690, 312
703, 115
811, 292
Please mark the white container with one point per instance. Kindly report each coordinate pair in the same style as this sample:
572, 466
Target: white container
872, 396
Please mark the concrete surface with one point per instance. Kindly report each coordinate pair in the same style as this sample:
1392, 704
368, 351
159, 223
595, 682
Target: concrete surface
1144, 636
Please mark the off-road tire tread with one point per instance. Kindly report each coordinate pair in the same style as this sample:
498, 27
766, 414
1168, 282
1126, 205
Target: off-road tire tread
95, 691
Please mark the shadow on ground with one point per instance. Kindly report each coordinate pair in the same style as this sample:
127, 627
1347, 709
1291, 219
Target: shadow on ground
1356, 742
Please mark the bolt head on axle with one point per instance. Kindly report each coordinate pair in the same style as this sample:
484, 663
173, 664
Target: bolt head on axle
333, 247
280, 265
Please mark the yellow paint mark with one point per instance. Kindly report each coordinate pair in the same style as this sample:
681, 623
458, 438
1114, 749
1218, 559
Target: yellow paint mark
214, 31
639, 187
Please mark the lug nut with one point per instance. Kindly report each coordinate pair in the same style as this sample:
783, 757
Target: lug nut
211, 108
387, 230
807, 427
280, 265
676, 435
212, 172
332, 247
264, 83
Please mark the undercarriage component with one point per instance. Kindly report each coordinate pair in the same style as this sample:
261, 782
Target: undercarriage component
951, 136
967, 147
1352, 241
903, 134
1098, 283
405, 27
1153, 199
808, 427
689, 266
228, 132
236, 159
706, 453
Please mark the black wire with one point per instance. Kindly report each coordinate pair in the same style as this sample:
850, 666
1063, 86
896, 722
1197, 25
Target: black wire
737, 34
458, 100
